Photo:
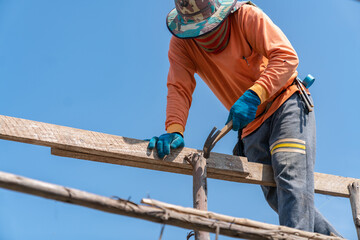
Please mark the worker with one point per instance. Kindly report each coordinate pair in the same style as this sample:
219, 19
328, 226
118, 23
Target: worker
250, 65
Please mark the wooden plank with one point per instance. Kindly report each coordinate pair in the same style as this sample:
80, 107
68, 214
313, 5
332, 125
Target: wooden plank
154, 214
259, 174
332, 185
211, 173
82, 141
105, 147
354, 190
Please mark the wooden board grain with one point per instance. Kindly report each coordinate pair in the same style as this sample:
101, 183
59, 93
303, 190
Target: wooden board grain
258, 177
259, 174
107, 145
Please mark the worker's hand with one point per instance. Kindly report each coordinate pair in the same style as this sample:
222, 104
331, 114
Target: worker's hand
165, 142
244, 110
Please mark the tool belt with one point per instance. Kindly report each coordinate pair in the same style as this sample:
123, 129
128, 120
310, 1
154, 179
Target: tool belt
303, 94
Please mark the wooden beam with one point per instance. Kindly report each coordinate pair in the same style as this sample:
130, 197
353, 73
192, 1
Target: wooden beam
354, 190
101, 144
95, 146
150, 213
153, 165
259, 174
198, 163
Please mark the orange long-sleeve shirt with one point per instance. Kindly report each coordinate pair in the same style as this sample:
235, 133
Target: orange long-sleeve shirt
257, 53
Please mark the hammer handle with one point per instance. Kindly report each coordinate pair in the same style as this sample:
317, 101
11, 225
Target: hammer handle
224, 131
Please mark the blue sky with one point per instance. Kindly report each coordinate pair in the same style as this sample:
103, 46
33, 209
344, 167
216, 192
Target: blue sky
102, 66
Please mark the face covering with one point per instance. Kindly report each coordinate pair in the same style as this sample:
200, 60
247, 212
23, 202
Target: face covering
217, 40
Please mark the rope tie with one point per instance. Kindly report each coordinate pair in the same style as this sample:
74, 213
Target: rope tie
190, 234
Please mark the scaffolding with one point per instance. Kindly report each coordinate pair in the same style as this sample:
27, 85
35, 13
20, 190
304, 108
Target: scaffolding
101, 147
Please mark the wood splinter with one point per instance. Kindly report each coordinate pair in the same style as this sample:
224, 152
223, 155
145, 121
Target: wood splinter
198, 162
354, 190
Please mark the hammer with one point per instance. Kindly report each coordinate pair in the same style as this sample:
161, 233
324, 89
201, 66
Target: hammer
214, 137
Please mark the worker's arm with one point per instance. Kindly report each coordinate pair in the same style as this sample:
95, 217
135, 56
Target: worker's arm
267, 39
181, 84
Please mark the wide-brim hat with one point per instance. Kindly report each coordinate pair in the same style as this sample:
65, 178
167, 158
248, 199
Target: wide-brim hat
194, 18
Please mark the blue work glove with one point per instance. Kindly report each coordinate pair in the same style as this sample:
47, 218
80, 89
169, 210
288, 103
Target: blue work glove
165, 142
244, 110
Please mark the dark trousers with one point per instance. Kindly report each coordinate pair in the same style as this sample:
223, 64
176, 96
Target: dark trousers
286, 141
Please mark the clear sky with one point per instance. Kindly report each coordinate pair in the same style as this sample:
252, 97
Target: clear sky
102, 66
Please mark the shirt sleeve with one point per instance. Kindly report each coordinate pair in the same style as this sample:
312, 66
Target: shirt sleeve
180, 83
268, 40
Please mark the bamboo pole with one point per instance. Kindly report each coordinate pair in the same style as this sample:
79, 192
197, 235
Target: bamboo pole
154, 214
229, 219
354, 190
198, 163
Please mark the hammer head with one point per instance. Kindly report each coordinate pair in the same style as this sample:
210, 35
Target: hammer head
209, 143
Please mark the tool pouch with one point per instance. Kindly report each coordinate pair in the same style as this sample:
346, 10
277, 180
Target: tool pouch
303, 94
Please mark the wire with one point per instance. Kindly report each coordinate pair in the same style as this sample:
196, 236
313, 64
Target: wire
162, 231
